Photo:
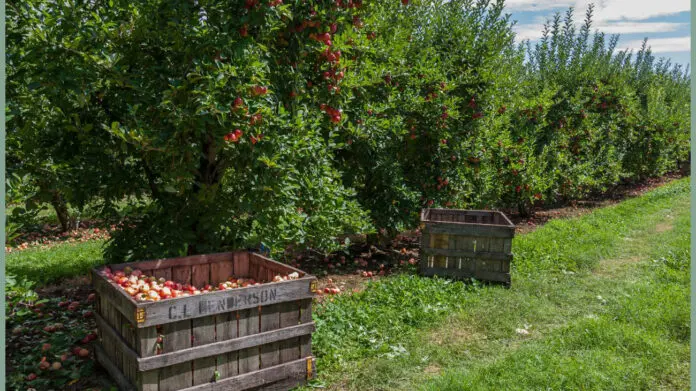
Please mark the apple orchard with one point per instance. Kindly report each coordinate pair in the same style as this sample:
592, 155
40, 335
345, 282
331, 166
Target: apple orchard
227, 124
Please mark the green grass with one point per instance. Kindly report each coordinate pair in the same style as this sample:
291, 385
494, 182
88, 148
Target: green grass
604, 298
638, 340
52, 264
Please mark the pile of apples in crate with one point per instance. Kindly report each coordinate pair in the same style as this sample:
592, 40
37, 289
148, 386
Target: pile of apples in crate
149, 288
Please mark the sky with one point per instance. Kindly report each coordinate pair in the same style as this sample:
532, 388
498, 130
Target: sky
666, 23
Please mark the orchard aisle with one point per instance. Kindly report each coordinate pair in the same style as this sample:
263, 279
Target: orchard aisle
598, 302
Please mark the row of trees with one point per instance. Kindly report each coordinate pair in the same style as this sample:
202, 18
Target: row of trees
227, 123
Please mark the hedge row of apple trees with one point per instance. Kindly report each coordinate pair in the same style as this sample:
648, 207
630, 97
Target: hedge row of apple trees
229, 123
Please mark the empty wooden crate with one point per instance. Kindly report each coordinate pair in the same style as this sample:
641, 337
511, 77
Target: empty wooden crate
466, 244
254, 337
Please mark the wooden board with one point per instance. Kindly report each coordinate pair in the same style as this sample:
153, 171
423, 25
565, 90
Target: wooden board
226, 329
114, 296
112, 370
237, 344
289, 317
164, 311
177, 336
249, 324
305, 317
466, 253
266, 377
241, 264
203, 330
470, 229
270, 320
174, 262
478, 274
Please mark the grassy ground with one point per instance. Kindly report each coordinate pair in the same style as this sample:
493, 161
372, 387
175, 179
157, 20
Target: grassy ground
54, 263
598, 302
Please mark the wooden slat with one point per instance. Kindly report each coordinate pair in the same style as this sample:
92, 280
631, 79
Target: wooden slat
226, 329
200, 275
497, 245
425, 242
464, 253
148, 381
483, 244
241, 264
470, 229
169, 310
174, 262
264, 377
114, 296
147, 347
248, 325
177, 336
221, 271
130, 364
440, 241
281, 267
253, 267
181, 274
112, 370
282, 385
116, 350
146, 341
237, 344
479, 275
289, 317
306, 317
203, 335
165, 273
113, 338
270, 320
434, 214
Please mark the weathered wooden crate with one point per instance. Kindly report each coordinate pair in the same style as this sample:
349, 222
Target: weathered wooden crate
466, 244
258, 337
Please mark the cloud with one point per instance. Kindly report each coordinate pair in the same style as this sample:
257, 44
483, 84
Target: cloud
605, 10
610, 16
635, 10
659, 45
536, 5
533, 31
638, 27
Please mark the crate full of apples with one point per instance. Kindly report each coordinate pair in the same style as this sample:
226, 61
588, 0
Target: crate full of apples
144, 288
239, 317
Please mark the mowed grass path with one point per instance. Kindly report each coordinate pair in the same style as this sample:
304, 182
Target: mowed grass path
603, 301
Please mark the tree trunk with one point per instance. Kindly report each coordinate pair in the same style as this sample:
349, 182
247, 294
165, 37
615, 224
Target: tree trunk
208, 175
524, 209
66, 221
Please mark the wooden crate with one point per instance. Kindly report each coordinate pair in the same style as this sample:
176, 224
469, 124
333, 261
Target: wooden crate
466, 244
258, 337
